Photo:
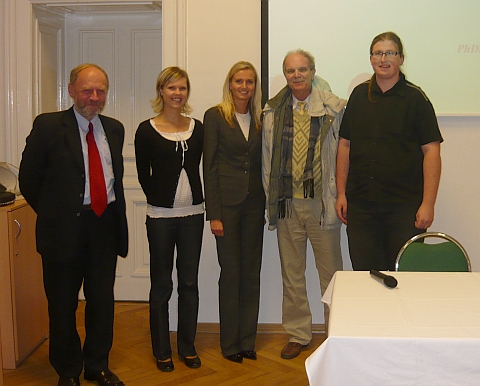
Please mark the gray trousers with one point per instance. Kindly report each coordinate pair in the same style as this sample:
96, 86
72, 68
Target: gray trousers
292, 234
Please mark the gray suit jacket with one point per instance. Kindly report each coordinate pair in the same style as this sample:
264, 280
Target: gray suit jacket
231, 164
52, 180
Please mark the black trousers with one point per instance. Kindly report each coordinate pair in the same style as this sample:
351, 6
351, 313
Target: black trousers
240, 258
94, 267
164, 235
376, 232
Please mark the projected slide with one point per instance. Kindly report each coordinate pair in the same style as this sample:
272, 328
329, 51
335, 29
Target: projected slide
441, 39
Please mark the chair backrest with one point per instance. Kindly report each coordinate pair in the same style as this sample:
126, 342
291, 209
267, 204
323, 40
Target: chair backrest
446, 256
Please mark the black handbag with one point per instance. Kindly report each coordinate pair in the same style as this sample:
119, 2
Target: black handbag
6, 198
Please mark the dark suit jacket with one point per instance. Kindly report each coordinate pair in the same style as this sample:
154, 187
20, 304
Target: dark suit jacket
231, 164
52, 180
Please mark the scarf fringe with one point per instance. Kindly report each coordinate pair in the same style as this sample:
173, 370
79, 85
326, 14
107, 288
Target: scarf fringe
285, 208
309, 188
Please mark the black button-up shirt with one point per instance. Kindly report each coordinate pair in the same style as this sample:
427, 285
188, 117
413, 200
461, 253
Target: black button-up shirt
386, 135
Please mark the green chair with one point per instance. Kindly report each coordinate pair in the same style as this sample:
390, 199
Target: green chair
448, 255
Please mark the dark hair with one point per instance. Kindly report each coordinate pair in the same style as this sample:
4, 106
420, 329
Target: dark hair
380, 38
388, 36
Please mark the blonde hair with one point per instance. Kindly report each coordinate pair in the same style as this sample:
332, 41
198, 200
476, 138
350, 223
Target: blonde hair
227, 106
77, 70
169, 75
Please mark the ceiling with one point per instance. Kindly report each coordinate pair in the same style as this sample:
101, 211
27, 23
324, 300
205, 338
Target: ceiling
103, 7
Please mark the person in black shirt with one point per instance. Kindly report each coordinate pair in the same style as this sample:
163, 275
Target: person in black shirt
168, 150
388, 161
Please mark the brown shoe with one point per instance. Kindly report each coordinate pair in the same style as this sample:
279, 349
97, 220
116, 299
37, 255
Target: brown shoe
292, 349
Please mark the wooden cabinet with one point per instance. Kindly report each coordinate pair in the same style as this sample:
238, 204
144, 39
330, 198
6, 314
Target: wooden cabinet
23, 304
1, 368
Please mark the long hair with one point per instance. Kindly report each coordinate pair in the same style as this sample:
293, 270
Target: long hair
380, 38
227, 105
169, 75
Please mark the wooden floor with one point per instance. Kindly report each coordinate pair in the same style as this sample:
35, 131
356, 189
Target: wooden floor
131, 358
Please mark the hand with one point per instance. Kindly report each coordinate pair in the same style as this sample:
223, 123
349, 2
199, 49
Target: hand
341, 208
216, 226
424, 216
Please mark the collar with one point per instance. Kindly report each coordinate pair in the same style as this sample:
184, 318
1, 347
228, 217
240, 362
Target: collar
398, 89
295, 102
83, 122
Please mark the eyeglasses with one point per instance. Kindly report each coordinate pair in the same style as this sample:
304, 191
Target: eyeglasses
379, 54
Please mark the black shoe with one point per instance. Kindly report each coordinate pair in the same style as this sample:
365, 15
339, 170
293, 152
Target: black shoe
193, 363
165, 366
104, 378
64, 381
249, 354
235, 357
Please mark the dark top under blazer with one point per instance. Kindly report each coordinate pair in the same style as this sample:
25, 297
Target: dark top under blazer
159, 163
52, 180
231, 164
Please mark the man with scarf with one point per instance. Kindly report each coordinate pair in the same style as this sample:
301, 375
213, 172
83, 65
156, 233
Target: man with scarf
300, 138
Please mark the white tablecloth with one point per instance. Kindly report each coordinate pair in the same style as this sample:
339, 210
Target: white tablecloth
426, 331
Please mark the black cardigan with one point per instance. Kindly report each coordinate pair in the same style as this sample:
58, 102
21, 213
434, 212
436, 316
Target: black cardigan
159, 164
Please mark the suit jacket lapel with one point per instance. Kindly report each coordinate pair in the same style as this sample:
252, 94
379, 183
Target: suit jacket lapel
252, 135
115, 146
72, 136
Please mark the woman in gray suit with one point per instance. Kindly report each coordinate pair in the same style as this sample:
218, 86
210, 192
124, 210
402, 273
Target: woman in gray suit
235, 203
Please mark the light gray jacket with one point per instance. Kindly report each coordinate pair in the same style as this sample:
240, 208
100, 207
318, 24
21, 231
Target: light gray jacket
323, 103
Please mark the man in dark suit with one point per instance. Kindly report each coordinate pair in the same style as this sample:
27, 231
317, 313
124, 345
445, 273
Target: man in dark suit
81, 223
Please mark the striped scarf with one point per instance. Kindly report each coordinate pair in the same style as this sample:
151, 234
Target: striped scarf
285, 192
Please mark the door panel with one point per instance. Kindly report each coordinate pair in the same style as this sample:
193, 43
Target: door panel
129, 48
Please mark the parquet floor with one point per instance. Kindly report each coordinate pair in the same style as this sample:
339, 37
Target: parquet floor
131, 358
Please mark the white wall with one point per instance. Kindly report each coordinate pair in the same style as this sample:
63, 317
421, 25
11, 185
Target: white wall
458, 206
3, 89
218, 33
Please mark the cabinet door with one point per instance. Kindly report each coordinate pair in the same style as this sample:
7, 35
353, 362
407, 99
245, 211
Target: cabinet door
30, 310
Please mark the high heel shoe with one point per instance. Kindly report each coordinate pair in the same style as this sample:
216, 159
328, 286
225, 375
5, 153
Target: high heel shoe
165, 366
249, 354
193, 363
235, 357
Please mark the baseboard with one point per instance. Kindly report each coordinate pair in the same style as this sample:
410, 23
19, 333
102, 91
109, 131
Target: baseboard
263, 328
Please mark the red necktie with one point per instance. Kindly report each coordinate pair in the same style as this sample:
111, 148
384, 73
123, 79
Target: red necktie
98, 190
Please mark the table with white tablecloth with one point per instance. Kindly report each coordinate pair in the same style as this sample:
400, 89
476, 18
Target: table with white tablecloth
426, 331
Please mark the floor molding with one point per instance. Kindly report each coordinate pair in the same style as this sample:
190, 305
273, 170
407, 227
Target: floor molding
263, 328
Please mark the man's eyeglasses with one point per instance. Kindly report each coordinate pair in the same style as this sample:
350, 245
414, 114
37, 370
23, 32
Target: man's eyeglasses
379, 54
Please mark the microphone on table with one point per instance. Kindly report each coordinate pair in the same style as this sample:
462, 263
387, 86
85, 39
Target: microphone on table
388, 280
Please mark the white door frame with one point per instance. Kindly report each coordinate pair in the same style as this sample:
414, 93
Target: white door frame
19, 58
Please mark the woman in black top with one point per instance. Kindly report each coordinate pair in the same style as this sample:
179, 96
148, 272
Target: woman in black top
168, 149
